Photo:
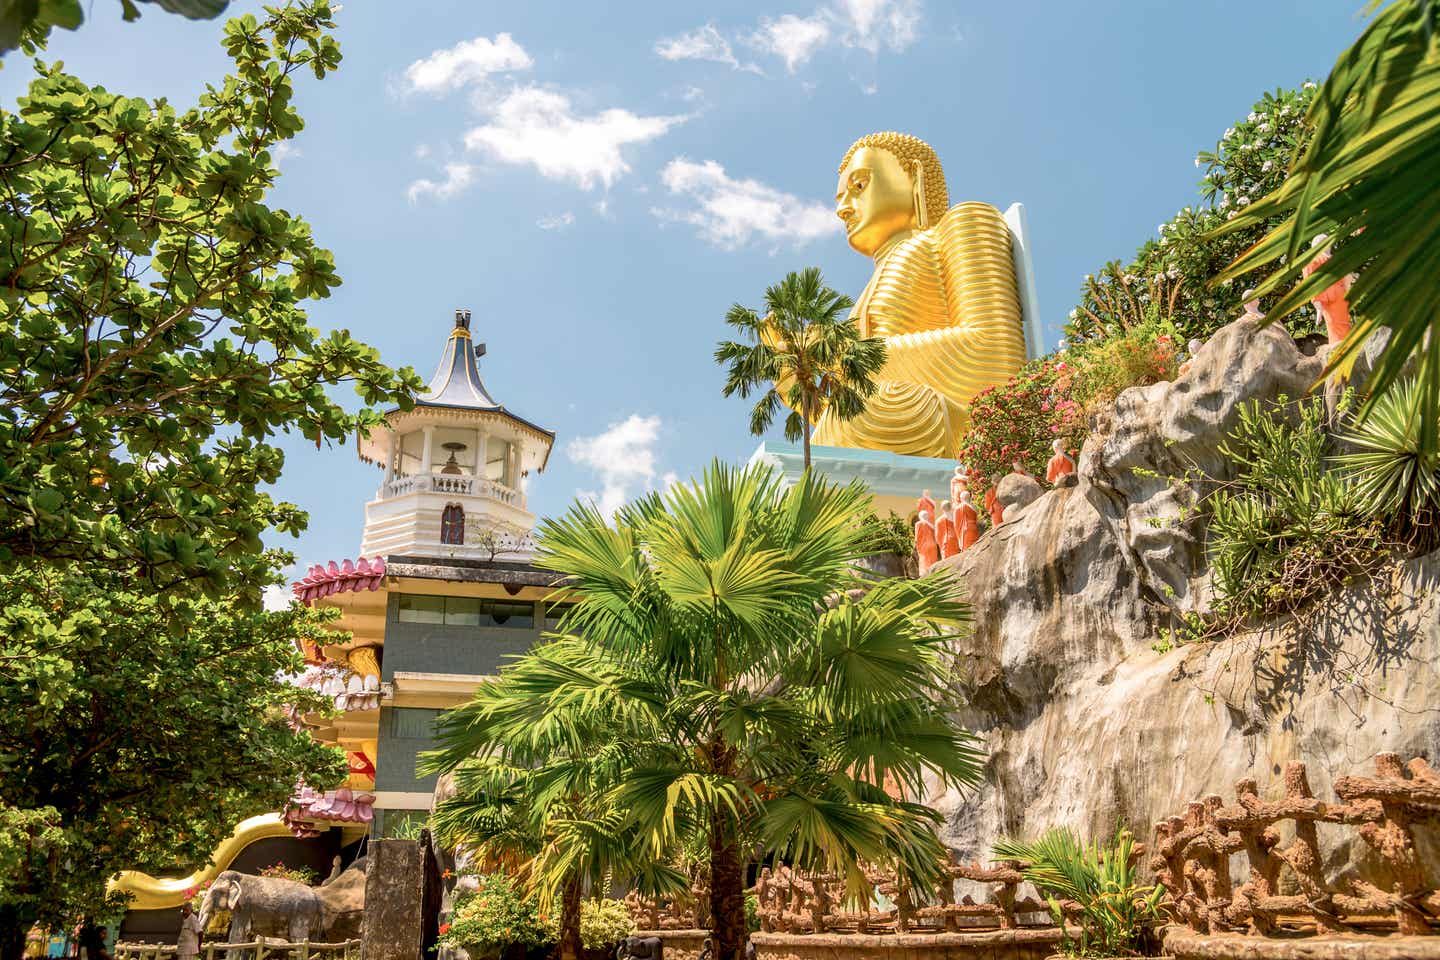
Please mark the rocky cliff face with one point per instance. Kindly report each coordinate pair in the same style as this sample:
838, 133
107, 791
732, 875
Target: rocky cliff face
1086, 724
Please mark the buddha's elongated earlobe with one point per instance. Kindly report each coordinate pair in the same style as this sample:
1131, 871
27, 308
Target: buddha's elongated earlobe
922, 211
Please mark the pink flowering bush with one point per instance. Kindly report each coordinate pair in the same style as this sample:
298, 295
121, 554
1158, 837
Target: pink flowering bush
1059, 397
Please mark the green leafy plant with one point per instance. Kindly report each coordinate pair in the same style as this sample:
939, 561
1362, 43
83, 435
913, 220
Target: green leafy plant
604, 923
1170, 277
1288, 529
496, 915
803, 353
1396, 477
303, 875
890, 534
1367, 177
1116, 911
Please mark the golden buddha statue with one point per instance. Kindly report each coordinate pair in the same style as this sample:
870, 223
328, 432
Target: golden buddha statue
943, 295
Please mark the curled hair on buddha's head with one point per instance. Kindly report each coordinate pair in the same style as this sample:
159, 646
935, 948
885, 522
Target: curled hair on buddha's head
910, 151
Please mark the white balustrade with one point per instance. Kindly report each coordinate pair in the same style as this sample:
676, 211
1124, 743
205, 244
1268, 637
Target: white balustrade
452, 484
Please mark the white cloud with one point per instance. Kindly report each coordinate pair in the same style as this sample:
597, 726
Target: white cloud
284, 150
457, 178
730, 213
870, 23
537, 127
702, 43
793, 39
858, 24
468, 62
276, 597
623, 456
558, 222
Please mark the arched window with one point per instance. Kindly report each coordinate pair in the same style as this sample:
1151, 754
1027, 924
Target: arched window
452, 524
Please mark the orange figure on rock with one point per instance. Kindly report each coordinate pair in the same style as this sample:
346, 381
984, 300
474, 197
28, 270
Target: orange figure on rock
927, 549
993, 506
945, 531
958, 484
967, 521
1059, 465
1330, 303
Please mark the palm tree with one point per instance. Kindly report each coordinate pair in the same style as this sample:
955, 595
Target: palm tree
721, 652
804, 352
1367, 177
531, 791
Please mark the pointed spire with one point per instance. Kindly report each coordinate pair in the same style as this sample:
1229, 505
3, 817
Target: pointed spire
457, 380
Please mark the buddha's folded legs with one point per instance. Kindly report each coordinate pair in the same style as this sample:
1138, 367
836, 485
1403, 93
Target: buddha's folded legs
904, 418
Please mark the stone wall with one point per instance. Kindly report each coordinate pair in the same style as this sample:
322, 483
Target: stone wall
1088, 726
991, 945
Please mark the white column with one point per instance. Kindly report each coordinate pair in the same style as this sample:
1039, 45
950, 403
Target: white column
479, 453
511, 466
426, 449
390, 451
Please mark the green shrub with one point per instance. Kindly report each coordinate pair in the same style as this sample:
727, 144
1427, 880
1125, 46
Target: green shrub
303, 875
604, 923
1169, 277
890, 534
1395, 478
1117, 911
496, 915
1288, 529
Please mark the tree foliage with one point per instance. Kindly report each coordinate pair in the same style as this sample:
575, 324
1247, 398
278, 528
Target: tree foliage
1169, 280
27, 23
139, 729
156, 339
804, 353
155, 345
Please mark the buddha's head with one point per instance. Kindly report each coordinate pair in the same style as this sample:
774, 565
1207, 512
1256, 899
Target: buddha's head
889, 182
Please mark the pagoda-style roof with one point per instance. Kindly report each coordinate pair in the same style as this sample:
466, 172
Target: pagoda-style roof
457, 393
457, 380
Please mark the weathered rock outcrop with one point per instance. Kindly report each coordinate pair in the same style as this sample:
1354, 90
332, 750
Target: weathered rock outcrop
1085, 722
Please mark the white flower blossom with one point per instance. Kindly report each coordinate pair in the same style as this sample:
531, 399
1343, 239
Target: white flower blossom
1197, 162
1267, 165
1308, 85
1229, 132
1073, 314
1231, 214
1263, 128
1163, 227
1241, 201
1253, 117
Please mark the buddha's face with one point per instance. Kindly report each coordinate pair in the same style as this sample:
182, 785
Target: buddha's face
875, 198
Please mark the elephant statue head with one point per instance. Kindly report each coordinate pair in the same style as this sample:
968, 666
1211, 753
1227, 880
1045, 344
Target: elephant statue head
224, 894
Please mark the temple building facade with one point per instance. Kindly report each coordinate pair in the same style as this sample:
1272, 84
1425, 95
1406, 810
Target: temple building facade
441, 593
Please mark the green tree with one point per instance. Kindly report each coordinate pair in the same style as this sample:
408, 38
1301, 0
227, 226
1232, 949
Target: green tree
155, 344
27, 23
749, 688
804, 352
139, 728
532, 792
1367, 177
155, 337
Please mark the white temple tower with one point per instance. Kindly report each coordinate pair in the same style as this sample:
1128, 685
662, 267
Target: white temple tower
456, 467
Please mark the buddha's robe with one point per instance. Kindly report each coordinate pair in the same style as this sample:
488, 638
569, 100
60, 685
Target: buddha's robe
946, 302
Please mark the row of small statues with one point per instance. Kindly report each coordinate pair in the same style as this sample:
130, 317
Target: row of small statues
956, 525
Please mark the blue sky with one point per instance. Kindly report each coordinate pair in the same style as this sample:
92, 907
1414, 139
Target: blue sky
598, 182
